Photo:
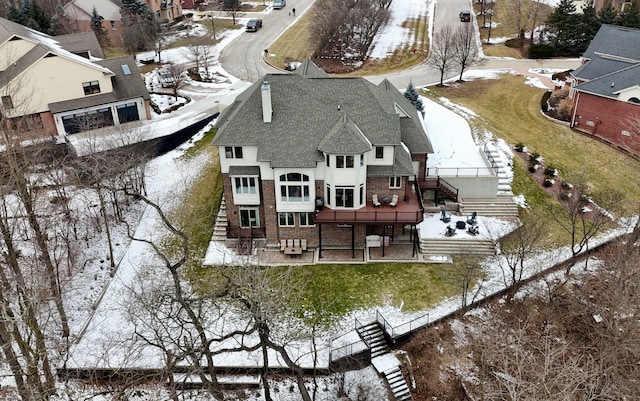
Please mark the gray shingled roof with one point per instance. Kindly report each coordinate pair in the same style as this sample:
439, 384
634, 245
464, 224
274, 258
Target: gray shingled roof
305, 111
81, 42
613, 59
598, 67
610, 85
345, 138
615, 41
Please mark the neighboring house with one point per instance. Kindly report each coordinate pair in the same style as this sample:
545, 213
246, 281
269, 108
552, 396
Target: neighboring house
606, 88
49, 91
165, 10
305, 156
80, 11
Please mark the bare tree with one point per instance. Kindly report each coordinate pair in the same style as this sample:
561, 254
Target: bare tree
518, 246
584, 213
177, 78
328, 19
464, 272
465, 47
233, 8
442, 52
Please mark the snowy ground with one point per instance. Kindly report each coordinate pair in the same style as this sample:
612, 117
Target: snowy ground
107, 329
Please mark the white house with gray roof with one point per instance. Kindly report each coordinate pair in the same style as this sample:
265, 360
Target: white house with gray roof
606, 88
305, 156
48, 91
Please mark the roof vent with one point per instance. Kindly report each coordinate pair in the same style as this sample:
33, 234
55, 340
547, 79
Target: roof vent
338, 107
267, 110
613, 84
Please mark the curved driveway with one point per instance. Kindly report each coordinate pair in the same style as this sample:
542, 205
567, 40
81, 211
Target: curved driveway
244, 57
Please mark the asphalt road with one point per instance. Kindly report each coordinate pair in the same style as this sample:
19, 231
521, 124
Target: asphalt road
244, 57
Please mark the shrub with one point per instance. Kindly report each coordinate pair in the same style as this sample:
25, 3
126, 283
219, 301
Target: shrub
550, 171
548, 182
533, 167
534, 157
541, 51
544, 102
519, 147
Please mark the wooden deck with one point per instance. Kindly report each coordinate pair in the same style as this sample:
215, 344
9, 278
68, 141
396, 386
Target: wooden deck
405, 212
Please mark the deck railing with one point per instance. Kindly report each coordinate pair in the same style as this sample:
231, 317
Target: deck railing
404, 328
364, 216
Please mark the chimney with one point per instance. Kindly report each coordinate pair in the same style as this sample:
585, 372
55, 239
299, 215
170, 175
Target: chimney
267, 111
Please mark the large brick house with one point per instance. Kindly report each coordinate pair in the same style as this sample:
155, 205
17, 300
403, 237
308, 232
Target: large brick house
52, 87
303, 155
606, 88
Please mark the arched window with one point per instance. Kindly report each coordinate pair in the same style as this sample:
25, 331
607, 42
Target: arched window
634, 100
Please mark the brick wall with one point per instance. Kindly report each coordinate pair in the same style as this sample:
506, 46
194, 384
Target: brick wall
606, 119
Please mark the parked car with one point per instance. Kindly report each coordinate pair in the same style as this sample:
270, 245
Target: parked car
465, 16
253, 25
278, 4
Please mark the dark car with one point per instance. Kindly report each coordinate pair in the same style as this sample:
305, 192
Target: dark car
465, 16
253, 25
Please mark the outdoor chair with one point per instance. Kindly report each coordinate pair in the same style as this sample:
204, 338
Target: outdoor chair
376, 202
451, 231
473, 230
444, 216
472, 219
394, 200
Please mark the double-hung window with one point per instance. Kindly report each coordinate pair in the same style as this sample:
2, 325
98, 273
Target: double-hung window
286, 219
249, 218
344, 161
233, 152
307, 219
245, 185
91, 87
395, 182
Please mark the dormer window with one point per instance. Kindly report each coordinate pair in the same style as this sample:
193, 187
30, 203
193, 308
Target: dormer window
91, 88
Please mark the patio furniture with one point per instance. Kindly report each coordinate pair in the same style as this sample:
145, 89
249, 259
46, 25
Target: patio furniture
376, 202
451, 231
473, 230
444, 217
461, 224
394, 200
472, 219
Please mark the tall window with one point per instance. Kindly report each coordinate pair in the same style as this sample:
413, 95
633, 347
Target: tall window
361, 160
7, 103
286, 219
379, 152
307, 219
395, 182
344, 197
249, 218
245, 185
91, 88
327, 159
233, 152
328, 195
294, 187
344, 161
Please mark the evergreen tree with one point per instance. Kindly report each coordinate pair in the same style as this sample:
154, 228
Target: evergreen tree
97, 28
630, 16
564, 29
31, 15
412, 95
607, 14
590, 23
